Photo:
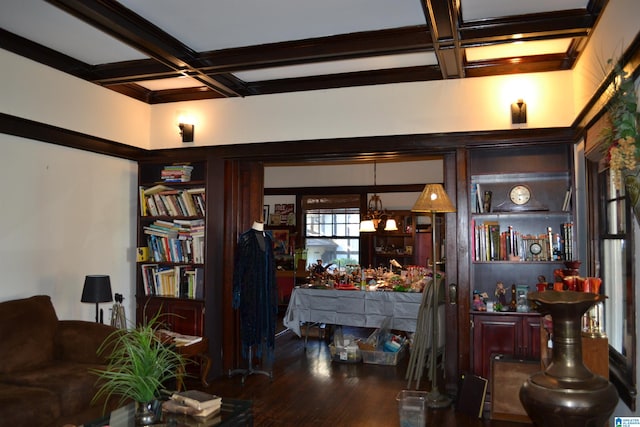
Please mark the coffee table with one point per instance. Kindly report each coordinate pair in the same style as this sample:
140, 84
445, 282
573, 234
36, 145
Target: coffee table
233, 413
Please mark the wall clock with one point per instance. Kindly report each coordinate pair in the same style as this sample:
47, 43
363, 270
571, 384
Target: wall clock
520, 194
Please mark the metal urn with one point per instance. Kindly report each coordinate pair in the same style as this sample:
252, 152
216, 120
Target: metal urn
567, 394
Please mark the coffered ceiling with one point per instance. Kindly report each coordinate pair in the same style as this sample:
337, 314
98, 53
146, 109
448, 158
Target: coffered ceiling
162, 51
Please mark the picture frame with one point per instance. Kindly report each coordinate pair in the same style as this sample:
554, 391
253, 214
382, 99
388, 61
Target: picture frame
265, 213
280, 242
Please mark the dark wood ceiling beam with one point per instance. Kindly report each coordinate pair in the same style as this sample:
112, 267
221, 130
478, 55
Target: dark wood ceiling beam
42, 54
578, 21
332, 48
532, 64
332, 81
441, 16
140, 34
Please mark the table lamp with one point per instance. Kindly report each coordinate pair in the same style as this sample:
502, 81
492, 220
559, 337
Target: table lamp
434, 199
97, 289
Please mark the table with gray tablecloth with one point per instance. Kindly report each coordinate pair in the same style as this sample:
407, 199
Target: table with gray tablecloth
354, 308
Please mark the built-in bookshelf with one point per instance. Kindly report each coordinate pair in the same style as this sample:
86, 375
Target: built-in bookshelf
171, 244
521, 217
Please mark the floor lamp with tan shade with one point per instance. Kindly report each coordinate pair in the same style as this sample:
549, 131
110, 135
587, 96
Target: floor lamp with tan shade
434, 200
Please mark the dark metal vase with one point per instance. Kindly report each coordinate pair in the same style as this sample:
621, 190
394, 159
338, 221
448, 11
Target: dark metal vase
567, 394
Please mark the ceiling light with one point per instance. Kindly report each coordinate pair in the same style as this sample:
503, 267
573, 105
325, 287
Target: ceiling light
375, 213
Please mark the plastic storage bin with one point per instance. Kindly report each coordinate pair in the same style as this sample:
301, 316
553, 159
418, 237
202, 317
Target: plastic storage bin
411, 408
383, 357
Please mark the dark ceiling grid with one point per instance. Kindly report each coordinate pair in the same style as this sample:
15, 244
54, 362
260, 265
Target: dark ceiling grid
444, 33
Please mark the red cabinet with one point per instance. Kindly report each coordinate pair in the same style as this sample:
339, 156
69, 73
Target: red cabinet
513, 334
185, 316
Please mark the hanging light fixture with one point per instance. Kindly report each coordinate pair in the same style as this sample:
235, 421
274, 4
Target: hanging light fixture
375, 213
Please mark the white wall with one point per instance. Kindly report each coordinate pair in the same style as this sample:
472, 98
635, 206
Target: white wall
405, 108
617, 27
66, 213
37, 92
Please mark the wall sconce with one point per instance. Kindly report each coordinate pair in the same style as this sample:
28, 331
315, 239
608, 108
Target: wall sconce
518, 112
186, 130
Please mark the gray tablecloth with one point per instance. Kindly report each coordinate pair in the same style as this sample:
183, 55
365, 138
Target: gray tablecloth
355, 308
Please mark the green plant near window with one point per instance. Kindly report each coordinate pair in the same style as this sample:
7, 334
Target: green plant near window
139, 366
621, 139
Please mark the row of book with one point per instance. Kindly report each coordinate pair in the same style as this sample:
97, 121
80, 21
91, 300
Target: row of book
490, 243
177, 281
161, 200
176, 241
176, 173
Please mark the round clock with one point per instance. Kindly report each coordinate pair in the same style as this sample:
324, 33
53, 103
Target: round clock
520, 194
535, 248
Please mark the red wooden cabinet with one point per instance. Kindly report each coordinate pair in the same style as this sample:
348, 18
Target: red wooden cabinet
513, 334
180, 315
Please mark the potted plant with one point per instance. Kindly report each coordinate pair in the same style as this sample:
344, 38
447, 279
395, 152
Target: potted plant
139, 366
621, 139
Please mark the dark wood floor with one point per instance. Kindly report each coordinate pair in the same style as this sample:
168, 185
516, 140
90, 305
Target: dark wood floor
308, 389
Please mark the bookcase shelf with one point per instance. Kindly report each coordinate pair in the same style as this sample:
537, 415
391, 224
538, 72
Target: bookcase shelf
171, 237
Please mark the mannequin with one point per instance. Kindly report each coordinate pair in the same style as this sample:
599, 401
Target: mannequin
255, 296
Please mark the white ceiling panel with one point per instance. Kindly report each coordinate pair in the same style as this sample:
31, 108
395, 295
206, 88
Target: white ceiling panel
235, 23
517, 49
49, 26
482, 9
164, 84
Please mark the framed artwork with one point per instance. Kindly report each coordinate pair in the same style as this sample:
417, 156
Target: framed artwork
265, 214
286, 212
280, 242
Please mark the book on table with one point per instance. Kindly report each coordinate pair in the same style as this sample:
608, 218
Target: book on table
198, 404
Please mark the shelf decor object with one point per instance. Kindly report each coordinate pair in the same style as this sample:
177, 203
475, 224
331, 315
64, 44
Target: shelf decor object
567, 394
434, 200
97, 289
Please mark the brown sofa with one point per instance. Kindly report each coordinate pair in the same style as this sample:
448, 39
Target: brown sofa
44, 365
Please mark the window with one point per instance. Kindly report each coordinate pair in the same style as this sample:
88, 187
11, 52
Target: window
616, 229
332, 229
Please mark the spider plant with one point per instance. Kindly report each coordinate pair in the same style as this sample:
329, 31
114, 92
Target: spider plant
139, 364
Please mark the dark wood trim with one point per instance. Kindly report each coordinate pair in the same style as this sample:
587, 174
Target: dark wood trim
37, 131
536, 26
351, 189
595, 107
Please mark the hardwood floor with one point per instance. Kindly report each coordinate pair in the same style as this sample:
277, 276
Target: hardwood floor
308, 389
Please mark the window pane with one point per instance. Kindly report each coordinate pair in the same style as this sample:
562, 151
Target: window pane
614, 279
332, 235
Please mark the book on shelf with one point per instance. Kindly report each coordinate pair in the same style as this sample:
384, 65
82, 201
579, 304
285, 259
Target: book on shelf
161, 200
567, 200
181, 340
176, 173
198, 400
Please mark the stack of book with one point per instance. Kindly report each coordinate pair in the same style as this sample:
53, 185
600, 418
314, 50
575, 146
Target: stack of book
176, 173
161, 200
198, 404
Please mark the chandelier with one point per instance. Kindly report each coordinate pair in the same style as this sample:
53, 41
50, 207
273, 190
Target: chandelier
375, 213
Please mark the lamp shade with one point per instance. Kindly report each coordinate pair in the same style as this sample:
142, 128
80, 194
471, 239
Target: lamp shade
97, 288
433, 199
